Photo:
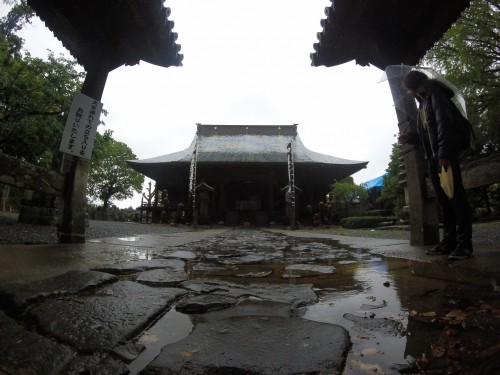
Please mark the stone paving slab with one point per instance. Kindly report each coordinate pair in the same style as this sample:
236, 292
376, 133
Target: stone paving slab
71, 282
162, 277
256, 345
283, 293
141, 265
25, 352
97, 363
205, 303
100, 321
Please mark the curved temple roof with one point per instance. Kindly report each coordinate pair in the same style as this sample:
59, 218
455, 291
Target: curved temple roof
227, 144
383, 32
112, 32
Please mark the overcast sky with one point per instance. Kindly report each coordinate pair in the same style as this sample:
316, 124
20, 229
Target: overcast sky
245, 63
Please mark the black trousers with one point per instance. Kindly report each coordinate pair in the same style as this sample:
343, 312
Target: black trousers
457, 213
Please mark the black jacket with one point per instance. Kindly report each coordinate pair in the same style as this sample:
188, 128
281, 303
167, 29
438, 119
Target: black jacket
440, 113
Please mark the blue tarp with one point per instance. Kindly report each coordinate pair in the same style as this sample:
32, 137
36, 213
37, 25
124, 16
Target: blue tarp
377, 183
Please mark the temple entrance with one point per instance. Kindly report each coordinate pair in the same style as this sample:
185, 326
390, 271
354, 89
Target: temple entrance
247, 202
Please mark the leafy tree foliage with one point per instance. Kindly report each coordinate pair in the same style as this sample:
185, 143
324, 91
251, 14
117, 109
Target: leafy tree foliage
35, 94
110, 177
348, 199
16, 19
392, 194
468, 55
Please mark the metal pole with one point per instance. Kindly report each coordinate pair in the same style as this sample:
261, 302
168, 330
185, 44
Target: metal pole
192, 184
291, 182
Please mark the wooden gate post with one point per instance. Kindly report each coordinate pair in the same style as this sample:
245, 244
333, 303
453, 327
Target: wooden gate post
424, 221
72, 228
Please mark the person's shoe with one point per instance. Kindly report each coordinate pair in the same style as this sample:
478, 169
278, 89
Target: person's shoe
441, 249
461, 252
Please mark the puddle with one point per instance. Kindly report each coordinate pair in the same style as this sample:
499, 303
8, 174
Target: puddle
374, 300
138, 253
129, 239
172, 327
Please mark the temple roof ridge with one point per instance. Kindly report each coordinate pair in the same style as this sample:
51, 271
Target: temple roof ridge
217, 143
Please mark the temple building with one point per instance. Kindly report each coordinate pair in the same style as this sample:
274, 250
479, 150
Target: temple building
242, 173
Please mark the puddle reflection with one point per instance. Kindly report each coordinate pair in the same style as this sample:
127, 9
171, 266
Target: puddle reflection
138, 254
375, 297
129, 239
172, 327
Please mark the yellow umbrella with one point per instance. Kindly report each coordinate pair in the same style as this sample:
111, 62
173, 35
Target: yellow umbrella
446, 181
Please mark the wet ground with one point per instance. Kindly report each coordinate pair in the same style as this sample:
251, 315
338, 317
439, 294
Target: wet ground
249, 301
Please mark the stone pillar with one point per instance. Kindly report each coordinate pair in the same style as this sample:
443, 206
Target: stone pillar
423, 207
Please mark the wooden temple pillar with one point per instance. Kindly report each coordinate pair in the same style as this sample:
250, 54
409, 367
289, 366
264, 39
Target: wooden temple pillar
270, 206
221, 202
76, 171
424, 220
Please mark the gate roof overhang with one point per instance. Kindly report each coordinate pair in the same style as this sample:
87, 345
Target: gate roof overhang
112, 32
383, 32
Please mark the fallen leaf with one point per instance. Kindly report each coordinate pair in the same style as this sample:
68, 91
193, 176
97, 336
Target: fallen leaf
369, 351
450, 332
486, 306
456, 314
367, 367
148, 338
189, 354
489, 352
429, 314
437, 351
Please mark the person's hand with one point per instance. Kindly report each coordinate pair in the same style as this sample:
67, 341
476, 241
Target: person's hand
444, 163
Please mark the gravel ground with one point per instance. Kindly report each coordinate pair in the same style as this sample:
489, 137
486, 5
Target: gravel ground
12, 232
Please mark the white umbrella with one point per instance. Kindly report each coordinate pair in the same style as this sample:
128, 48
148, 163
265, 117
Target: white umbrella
398, 72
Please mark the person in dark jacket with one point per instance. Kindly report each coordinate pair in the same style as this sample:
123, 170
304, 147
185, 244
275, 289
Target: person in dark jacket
435, 127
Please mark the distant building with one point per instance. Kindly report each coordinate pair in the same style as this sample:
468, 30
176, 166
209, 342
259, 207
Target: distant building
242, 173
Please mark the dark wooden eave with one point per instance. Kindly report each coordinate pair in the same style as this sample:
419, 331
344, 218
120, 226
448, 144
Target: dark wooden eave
383, 32
112, 32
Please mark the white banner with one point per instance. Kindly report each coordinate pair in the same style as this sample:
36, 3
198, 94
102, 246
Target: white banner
81, 126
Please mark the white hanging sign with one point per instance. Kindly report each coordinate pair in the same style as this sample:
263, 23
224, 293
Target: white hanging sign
81, 126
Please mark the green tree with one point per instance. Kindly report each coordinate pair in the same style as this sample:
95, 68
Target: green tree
35, 94
392, 194
110, 177
468, 55
348, 199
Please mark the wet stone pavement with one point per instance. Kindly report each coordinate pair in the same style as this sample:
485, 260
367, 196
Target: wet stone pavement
249, 301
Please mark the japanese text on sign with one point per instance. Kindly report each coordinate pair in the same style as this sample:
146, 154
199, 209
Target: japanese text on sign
81, 125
